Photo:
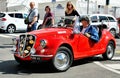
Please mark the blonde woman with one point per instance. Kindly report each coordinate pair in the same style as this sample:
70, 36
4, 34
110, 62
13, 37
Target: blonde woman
70, 10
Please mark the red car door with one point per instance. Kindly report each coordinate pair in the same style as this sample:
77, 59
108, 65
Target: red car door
87, 47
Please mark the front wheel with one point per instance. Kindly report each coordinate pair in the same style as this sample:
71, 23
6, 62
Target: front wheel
63, 59
110, 50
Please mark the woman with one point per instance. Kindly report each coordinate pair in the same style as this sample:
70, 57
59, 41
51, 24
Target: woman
48, 18
70, 10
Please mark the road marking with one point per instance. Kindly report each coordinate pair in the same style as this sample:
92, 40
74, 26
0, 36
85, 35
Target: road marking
9, 35
106, 67
13, 35
117, 51
113, 66
4, 36
116, 58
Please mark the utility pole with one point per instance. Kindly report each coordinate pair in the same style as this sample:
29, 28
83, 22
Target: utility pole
87, 6
6, 5
106, 6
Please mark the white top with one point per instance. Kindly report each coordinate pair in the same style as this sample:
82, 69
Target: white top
83, 30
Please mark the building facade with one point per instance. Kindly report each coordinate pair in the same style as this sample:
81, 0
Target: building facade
95, 6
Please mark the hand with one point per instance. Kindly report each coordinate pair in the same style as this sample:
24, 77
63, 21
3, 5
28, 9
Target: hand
87, 35
29, 25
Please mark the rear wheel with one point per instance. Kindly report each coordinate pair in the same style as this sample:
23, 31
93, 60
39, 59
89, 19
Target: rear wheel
11, 28
110, 50
113, 32
63, 59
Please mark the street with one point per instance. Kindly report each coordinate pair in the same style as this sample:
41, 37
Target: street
94, 67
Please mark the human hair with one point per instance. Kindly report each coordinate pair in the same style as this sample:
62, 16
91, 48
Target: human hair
48, 8
69, 3
85, 18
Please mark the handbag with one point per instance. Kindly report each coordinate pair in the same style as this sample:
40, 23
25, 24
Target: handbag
26, 21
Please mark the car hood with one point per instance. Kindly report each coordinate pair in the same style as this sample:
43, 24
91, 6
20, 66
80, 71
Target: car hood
51, 31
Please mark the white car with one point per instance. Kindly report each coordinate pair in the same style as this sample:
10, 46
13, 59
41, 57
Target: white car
107, 19
13, 21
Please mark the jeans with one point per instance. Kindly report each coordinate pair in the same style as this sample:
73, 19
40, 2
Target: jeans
32, 28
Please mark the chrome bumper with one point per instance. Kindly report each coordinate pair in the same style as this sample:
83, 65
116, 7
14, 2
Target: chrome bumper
42, 56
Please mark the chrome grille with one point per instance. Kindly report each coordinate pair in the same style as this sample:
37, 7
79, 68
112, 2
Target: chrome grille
26, 42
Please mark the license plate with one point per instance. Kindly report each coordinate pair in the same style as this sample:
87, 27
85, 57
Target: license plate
35, 58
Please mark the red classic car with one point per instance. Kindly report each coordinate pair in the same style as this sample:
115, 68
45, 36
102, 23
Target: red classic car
61, 45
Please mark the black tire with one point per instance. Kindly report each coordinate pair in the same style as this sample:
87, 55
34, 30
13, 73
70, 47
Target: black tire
110, 51
113, 32
22, 62
11, 28
39, 27
63, 59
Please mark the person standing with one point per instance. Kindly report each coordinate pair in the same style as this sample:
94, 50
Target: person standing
70, 10
48, 18
32, 17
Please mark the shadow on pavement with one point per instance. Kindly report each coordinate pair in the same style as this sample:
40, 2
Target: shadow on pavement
12, 67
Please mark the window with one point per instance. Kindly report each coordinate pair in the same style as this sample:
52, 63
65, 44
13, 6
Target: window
94, 19
25, 15
103, 18
2, 15
111, 19
11, 15
18, 15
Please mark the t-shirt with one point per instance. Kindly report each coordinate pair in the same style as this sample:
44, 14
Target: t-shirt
73, 13
83, 30
33, 13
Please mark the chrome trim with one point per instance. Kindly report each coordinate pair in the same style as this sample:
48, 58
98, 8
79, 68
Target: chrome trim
25, 36
41, 55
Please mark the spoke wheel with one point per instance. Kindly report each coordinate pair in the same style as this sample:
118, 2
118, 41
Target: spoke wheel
11, 29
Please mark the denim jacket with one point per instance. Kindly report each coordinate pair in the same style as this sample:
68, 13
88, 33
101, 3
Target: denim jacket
92, 30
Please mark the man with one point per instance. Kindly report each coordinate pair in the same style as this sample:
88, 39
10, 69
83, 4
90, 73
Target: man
89, 30
32, 17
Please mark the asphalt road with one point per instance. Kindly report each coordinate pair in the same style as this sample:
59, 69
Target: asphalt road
94, 67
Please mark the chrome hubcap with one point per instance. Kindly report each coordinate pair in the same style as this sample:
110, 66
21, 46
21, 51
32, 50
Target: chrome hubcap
61, 60
110, 51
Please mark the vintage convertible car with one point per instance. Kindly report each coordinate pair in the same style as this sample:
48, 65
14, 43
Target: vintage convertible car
61, 45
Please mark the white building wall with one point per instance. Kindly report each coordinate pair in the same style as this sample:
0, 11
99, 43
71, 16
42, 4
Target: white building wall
3, 6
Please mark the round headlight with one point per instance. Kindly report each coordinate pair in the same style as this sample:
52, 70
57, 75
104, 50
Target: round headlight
43, 43
32, 51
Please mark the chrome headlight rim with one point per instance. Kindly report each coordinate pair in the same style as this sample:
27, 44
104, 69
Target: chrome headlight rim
43, 43
14, 48
14, 41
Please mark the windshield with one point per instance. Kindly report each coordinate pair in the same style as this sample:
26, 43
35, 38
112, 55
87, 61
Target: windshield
70, 21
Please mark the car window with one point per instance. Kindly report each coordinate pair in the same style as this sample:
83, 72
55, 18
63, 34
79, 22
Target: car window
25, 15
103, 18
2, 15
11, 15
94, 19
18, 15
111, 19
